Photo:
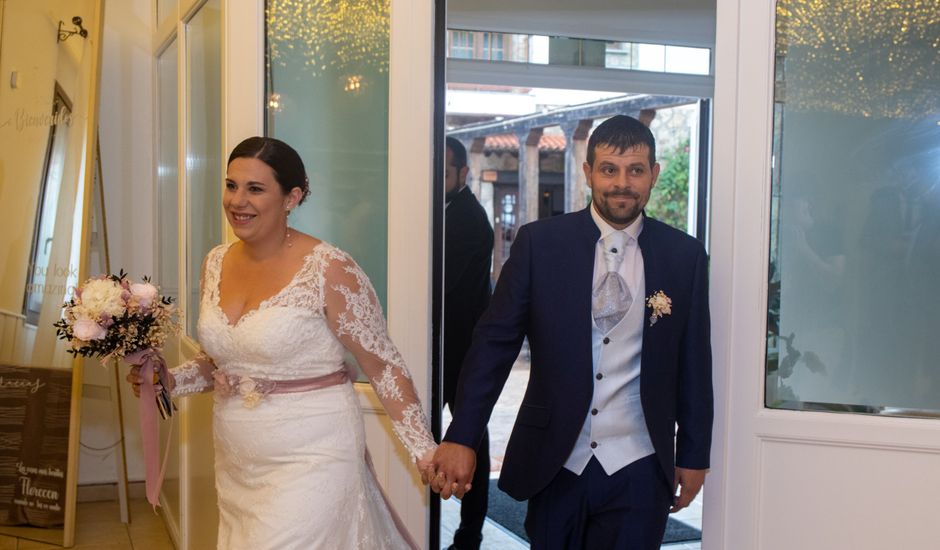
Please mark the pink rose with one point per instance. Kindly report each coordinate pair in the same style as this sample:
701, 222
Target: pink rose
87, 330
145, 293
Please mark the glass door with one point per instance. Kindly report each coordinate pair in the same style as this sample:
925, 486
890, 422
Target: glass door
824, 230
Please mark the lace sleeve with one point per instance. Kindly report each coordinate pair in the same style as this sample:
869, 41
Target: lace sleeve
355, 317
193, 376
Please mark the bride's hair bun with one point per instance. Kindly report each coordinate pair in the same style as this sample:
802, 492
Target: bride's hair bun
282, 158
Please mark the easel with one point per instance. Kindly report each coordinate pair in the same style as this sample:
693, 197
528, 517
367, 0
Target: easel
99, 241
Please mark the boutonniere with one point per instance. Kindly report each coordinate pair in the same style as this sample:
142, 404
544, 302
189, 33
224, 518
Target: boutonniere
660, 304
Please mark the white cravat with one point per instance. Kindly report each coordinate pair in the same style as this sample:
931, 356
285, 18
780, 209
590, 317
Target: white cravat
611, 298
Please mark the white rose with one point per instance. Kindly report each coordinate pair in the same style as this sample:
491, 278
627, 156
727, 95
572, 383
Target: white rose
87, 330
102, 296
145, 293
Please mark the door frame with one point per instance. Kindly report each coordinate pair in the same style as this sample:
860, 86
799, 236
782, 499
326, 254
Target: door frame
411, 158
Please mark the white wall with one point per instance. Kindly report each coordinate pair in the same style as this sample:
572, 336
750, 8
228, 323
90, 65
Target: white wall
681, 22
126, 130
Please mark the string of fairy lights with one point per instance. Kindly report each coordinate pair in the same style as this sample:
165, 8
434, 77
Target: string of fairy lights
869, 58
342, 37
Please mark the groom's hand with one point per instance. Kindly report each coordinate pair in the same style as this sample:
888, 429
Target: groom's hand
454, 464
689, 483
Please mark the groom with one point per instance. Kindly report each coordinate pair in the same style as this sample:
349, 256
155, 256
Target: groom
615, 308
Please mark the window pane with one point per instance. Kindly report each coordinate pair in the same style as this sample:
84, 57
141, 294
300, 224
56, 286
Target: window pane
671, 198
650, 57
328, 98
570, 50
167, 173
204, 146
687, 60
167, 268
461, 45
855, 208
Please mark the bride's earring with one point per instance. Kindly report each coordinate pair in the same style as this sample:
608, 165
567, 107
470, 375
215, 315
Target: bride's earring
287, 227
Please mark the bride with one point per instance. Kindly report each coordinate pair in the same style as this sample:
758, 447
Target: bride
278, 310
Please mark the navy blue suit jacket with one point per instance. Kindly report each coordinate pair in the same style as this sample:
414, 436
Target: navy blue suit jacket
544, 293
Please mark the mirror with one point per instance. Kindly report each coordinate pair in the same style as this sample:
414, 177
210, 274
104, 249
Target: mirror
50, 53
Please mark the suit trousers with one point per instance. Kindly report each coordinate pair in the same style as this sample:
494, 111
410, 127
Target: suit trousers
624, 511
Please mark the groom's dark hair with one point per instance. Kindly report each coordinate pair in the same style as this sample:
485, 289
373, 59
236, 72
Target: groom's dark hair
621, 132
283, 159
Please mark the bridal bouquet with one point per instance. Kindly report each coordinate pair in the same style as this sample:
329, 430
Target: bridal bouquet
113, 318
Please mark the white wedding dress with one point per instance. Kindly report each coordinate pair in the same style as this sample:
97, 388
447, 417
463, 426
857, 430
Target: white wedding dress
290, 468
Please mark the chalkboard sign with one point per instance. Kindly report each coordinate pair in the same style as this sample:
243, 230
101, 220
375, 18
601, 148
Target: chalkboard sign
34, 440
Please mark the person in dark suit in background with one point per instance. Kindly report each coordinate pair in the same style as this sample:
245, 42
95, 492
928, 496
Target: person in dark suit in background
468, 252
615, 308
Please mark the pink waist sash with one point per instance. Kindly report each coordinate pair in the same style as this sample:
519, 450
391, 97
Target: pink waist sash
253, 390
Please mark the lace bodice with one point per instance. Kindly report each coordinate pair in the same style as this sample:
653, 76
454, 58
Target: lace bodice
303, 331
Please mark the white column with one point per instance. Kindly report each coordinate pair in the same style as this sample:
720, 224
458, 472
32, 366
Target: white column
475, 160
576, 135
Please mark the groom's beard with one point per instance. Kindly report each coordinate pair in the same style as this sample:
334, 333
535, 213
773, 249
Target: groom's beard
615, 214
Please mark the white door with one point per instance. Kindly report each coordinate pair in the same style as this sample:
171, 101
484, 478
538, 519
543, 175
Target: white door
410, 25
796, 479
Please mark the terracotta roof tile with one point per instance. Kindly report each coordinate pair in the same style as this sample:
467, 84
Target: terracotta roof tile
510, 142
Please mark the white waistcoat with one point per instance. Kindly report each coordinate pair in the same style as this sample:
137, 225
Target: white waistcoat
614, 430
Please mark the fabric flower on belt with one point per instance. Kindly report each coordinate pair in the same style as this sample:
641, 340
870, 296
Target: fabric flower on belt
249, 392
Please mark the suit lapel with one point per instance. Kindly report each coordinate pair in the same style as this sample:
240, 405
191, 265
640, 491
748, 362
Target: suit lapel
587, 237
653, 273
583, 251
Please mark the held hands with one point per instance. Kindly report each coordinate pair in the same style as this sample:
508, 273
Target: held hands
425, 466
689, 482
450, 470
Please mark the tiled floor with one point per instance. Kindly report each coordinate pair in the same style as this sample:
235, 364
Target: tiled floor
98, 526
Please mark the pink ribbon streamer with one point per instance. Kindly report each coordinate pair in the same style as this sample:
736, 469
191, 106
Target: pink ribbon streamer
149, 359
